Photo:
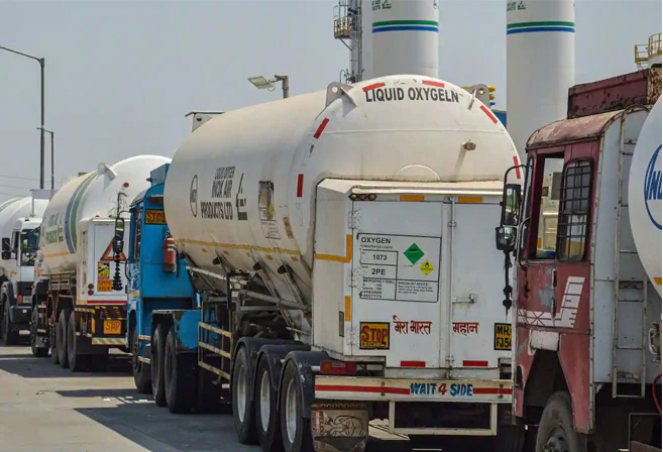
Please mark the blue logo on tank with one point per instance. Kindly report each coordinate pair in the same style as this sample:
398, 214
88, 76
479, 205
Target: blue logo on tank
652, 187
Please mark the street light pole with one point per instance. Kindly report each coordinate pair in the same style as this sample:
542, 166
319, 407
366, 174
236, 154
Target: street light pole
42, 64
261, 82
52, 154
285, 84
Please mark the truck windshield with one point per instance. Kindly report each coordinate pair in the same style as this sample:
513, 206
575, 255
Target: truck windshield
29, 245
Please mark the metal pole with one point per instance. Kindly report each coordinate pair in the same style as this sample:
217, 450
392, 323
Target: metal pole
52, 160
42, 64
285, 84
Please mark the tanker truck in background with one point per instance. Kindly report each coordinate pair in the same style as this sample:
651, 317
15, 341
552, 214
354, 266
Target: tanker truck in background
587, 344
80, 306
338, 241
20, 219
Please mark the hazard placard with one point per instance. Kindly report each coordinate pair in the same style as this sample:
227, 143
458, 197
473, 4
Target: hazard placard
427, 267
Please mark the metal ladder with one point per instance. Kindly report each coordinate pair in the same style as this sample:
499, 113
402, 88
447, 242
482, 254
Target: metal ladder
626, 291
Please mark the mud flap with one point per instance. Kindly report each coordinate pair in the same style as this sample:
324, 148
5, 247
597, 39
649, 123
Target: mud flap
339, 427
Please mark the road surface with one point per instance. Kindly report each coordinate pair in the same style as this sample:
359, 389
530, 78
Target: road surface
44, 408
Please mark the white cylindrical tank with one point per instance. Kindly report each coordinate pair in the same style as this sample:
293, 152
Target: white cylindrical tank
15, 209
644, 196
405, 37
366, 61
540, 64
86, 196
242, 186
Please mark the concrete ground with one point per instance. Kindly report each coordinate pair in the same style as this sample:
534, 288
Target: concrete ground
44, 408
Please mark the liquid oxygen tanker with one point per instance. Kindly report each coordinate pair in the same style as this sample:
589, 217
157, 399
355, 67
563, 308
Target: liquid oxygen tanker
243, 185
16, 209
644, 196
92, 194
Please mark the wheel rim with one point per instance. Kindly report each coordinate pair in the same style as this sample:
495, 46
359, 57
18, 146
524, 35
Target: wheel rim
557, 441
291, 411
242, 392
265, 400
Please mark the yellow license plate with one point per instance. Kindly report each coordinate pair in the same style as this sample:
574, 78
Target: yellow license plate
502, 338
112, 326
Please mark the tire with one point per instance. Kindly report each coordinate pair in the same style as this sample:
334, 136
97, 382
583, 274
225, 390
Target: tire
556, 432
243, 410
38, 352
77, 363
141, 371
156, 365
295, 430
61, 333
10, 337
55, 357
268, 425
179, 372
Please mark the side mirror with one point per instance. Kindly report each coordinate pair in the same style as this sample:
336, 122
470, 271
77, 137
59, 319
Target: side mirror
6, 248
118, 240
505, 238
511, 200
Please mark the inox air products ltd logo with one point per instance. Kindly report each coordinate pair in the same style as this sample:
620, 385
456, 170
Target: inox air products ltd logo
652, 188
193, 196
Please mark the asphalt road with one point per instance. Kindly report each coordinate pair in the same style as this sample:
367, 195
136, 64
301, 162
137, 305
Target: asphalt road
44, 408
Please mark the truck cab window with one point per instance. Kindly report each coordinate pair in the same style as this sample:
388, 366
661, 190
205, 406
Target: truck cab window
15, 241
574, 216
545, 208
29, 246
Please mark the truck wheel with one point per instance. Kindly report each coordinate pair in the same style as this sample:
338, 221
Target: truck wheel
55, 357
556, 432
295, 430
243, 414
10, 337
179, 372
156, 365
62, 338
77, 363
140, 369
38, 352
267, 416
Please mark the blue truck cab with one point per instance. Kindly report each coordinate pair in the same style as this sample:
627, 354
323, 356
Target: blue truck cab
163, 310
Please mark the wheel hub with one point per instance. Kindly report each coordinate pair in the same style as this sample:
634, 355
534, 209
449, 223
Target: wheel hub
557, 442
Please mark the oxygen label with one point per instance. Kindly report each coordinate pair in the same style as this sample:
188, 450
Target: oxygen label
652, 188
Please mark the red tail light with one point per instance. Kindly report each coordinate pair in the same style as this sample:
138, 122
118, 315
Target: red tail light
338, 368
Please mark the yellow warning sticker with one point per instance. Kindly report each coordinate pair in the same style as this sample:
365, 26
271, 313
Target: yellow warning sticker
427, 267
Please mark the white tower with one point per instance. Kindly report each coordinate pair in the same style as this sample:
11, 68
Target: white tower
405, 37
540, 64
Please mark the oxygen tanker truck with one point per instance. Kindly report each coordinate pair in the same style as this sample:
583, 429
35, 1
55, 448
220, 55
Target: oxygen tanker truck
20, 219
587, 345
341, 246
80, 304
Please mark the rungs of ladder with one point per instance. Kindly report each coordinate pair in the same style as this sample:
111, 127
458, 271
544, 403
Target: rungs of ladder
214, 370
205, 326
628, 252
630, 347
629, 396
142, 359
211, 348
